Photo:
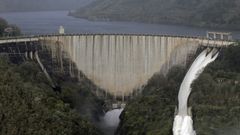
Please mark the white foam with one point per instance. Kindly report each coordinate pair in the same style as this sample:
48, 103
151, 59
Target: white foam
111, 118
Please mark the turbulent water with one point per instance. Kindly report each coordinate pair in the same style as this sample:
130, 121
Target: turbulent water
183, 123
110, 121
111, 118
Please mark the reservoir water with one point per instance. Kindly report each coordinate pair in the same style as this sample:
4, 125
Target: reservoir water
33, 23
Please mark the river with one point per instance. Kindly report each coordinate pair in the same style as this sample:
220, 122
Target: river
48, 22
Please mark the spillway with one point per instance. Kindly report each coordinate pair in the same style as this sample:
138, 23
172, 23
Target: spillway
183, 123
121, 63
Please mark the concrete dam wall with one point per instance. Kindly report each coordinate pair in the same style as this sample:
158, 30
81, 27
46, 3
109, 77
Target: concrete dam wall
121, 63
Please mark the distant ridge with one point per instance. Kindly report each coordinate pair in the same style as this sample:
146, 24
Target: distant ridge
203, 13
39, 5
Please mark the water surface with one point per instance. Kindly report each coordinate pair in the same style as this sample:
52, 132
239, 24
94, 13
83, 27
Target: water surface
33, 23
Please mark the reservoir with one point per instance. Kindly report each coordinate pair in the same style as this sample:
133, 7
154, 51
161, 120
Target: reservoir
48, 22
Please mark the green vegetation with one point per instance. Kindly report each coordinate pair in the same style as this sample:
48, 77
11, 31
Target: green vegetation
215, 100
203, 13
29, 106
216, 96
13, 31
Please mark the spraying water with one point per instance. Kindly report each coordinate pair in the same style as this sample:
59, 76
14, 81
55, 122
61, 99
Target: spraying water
111, 118
110, 121
183, 123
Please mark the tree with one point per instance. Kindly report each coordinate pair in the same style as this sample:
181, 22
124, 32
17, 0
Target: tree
12, 30
3, 25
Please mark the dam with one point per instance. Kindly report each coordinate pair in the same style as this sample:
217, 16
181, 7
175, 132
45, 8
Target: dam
117, 63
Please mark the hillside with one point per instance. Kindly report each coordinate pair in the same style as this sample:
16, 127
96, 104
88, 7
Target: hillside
214, 100
214, 13
38, 5
29, 106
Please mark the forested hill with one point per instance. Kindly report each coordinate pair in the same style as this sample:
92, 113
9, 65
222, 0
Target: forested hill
36, 5
210, 13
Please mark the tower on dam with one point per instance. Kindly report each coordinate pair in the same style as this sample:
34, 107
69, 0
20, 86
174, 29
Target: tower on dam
219, 35
61, 30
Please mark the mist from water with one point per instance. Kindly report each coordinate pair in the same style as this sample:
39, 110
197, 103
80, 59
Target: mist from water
110, 121
111, 118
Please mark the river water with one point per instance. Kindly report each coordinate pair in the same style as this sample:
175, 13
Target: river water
33, 23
